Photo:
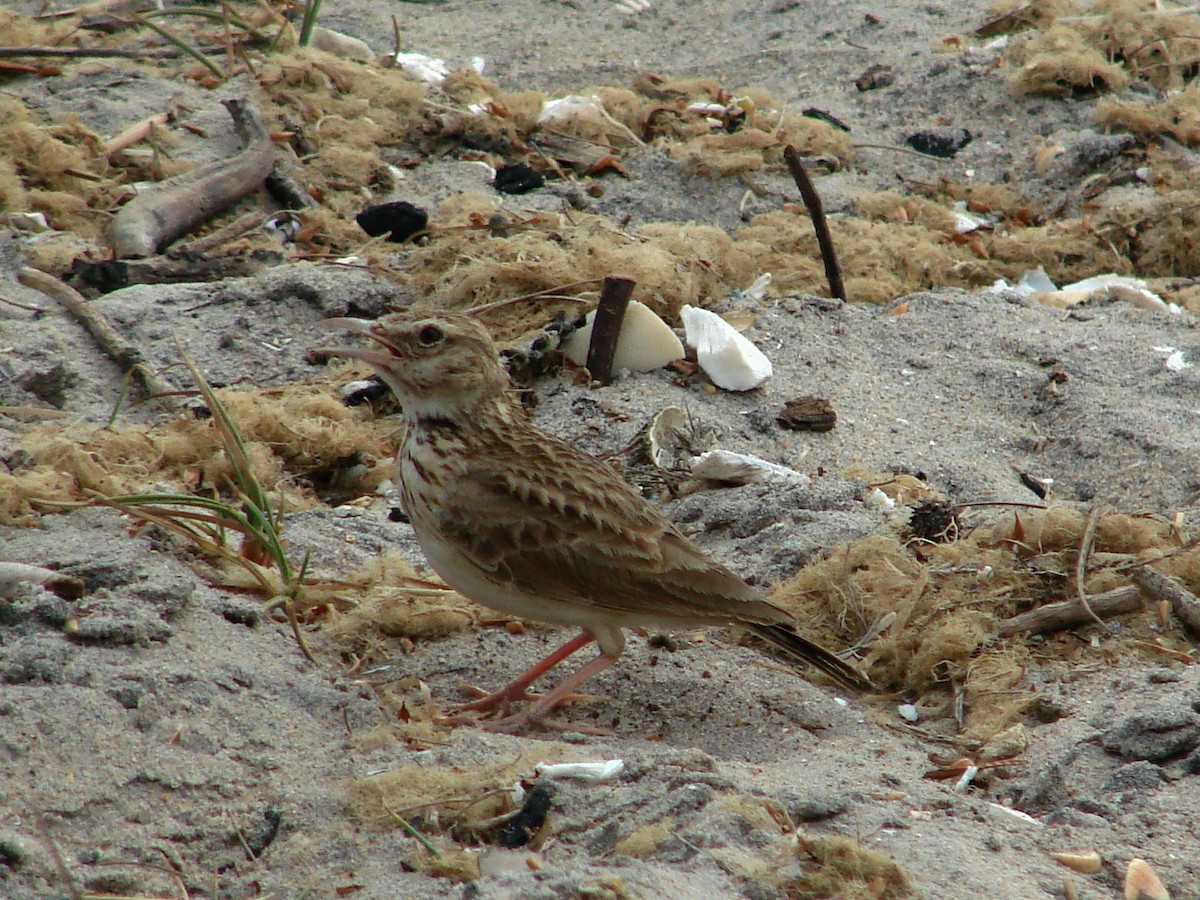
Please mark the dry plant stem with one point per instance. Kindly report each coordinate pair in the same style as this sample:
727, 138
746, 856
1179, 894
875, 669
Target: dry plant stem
89, 52
154, 219
236, 228
1085, 552
135, 134
119, 350
1069, 613
614, 300
812, 200
1184, 603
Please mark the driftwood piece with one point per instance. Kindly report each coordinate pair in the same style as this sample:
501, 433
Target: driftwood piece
123, 353
1069, 613
1157, 586
180, 267
156, 218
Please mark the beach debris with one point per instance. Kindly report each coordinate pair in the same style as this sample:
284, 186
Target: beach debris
1174, 361
1183, 603
1069, 613
1142, 884
517, 178
1017, 814
816, 211
940, 142
1087, 863
429, 69
14, 574
728, 358
807, 413
908, 712
342, 45
875, 76
583, 116
1036, 284
935, 521
645, 342
589, 772
754, 293
606, 326
399, 220
171, 209
728, 467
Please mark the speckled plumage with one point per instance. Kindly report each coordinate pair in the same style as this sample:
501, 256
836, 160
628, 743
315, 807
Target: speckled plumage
524, 523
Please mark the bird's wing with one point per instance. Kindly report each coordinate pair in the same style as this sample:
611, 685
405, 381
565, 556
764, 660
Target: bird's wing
569, 528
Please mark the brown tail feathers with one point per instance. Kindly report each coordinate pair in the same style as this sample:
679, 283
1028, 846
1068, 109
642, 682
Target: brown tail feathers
786, 639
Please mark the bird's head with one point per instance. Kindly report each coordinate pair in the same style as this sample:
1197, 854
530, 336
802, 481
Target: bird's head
442, 365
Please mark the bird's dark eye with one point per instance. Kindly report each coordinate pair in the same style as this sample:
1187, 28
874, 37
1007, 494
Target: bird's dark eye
430, 335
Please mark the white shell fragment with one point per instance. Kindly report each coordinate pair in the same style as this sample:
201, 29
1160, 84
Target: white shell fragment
738, 468
1036, 283
645, 343
908, 712
573, 108
1174, 361
728, 358
590, 772
429, 69
342, 45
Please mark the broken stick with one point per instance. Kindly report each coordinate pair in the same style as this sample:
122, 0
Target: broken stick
123, 353
1184, 603
157, 217
816, 211
606, 327
1069, 613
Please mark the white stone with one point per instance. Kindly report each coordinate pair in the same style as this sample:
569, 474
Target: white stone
728, 358
645, 343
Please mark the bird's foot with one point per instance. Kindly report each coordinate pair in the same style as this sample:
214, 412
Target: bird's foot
500, 699
524, 722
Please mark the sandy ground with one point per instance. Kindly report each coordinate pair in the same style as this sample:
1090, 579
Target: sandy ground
183, 746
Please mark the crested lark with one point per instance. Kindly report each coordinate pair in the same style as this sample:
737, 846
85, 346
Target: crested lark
526, 524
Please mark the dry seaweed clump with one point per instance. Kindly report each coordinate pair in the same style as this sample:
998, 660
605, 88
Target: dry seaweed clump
1177, 115
396, 604
52, 169
1059, 62
1084, 48
938, 608
483, 253
833, 866
292, 435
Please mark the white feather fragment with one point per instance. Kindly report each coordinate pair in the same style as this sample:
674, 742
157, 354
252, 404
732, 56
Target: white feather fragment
591, 772
739, 468
728, 358
645, 343
429, 69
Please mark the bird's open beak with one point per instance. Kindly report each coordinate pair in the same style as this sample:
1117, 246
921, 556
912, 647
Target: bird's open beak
380, 358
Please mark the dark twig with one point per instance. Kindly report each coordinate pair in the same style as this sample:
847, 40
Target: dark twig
812, 200
1085, 552
606, 327
1184, 603
94, 52
1060, 616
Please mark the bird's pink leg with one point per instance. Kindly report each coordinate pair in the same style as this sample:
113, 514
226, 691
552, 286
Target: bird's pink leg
547, 702
516, 689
